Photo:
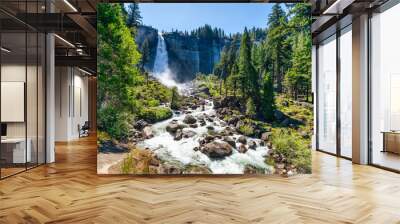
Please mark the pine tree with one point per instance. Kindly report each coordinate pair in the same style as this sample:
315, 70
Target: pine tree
277, 45
118, 74
175, 99
250, 108
298, 78
145, 54
134, 17
268, 101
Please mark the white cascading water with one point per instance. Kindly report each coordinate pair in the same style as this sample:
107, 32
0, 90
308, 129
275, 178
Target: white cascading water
164, 145
161, 69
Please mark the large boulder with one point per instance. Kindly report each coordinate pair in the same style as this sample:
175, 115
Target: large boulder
178, 135
196, 169
170, 167
242, 148
140, 124
217, 149
279, 115
229, 140
147, 132
265, 136
242, 139
252, 145
189, 119
251, 169
173, 126
188, 133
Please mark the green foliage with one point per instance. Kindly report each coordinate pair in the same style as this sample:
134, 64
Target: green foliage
250, 108
298, 78
246, 130
293, 148
175, 99
118, 58
145, 54
268, 101
134, 17
115, 123
155, 114
127, 165
102, 137
277, 45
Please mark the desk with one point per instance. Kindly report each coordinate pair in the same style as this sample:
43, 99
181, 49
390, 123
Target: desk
13, 150
391, 141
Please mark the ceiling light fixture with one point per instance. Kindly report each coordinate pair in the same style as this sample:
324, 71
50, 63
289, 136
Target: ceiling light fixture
5, 50
70, 5
65, 41
84, 71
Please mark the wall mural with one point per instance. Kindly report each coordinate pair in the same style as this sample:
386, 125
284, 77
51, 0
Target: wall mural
204, 99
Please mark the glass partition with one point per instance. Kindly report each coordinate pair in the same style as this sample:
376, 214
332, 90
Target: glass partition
22, 77
327, 95
385, 89
14, 145
346, 92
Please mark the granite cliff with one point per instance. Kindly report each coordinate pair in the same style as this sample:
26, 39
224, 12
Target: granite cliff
187, 54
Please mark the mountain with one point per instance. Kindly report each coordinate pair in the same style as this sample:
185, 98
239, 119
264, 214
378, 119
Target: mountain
188, 54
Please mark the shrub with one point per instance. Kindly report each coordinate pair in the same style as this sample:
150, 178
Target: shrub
250, 108
114, 122
103, 137
155, 114
246, 130
137, 162
294, 149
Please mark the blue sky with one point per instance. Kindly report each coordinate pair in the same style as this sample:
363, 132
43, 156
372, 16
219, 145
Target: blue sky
231, 17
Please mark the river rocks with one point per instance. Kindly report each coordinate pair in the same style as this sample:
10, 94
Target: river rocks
252, 145
147, 132
265, 136
229, 140
140, 124
202, 122
196, 169
189, 119
279, 115
194, 125
210, 128
170, 167
251, 169
173, 126
229, 101
242, 139
188, 133
242, 148
233, 120
217, 149
178, 135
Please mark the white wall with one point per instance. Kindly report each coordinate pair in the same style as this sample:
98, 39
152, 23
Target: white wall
71, 102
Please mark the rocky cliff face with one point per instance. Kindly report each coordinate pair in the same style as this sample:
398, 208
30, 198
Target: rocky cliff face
190, 55
150, 34
187, 55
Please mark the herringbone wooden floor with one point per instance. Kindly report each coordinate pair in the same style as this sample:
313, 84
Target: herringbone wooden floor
69, 191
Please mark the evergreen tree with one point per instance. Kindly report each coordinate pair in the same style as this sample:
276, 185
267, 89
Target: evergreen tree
175, 99
268, 101
145, 54
250, 108
118, 74
277, 45
134, 17
298, 78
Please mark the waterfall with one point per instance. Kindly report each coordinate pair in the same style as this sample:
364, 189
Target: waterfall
161, 69
161, 61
